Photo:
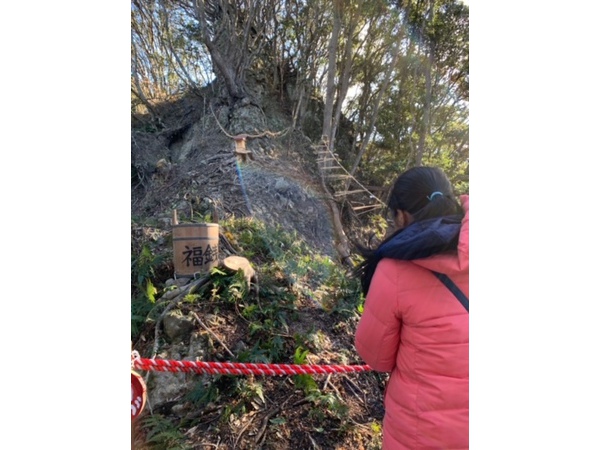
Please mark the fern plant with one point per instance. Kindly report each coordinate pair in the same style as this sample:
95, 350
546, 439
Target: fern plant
143, 290
161, 433
304, 381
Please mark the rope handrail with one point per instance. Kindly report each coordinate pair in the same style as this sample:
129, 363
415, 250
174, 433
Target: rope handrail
234, 368
271, 134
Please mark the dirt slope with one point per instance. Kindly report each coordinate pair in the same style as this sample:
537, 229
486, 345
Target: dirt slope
188, 165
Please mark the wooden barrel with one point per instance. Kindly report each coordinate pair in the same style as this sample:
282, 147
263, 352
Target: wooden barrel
195, 248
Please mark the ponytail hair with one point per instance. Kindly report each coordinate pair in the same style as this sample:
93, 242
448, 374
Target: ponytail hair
424, 192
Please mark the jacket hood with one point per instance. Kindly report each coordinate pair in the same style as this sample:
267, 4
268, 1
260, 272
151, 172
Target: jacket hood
452, 262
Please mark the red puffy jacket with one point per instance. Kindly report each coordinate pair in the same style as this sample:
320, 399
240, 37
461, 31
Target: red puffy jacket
415, 328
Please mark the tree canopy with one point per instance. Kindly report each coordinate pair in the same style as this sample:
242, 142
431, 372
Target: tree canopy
396, 70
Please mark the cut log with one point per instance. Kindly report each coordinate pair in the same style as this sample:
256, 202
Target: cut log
237, 263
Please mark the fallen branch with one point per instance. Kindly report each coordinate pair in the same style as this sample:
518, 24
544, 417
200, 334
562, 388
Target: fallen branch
260, 436
199, 413
326, 382
312, 441
212, 334
353, 386
244, 429
225, 242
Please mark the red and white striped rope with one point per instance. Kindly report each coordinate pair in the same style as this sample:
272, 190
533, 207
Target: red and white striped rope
232, 368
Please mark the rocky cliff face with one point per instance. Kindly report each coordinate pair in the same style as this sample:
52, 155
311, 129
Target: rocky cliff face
190, 166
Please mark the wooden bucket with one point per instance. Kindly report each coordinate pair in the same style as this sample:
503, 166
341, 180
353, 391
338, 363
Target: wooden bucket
195, 248
138, 395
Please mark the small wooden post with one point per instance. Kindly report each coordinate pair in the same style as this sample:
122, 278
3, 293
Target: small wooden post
240, 147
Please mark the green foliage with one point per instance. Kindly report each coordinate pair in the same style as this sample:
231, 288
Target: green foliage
261, 242
256, 354
361, 306
278, 421
289, 270
377, 437
322, 401
226, 287
143, 266
345, 296
300, 356
328, 402
192, 298
143, 289
376, 427
161, 433
282, 253
240, 392
151, 291
250, 390
304, 381
204, 393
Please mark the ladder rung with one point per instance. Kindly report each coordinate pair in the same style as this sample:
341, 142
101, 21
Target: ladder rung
339, 194
332, 168
359, 208
337, 177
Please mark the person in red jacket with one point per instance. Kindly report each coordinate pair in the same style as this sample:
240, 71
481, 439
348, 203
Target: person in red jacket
415, 323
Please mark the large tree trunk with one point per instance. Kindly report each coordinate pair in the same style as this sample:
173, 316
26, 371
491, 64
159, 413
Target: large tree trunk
386, 81
344, 82
425, 125
226, 69
232, 71
331, 72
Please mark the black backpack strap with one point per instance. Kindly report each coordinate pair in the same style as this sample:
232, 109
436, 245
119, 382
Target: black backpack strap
462, 298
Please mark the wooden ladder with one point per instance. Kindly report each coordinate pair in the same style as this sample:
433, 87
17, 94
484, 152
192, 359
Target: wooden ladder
342, 184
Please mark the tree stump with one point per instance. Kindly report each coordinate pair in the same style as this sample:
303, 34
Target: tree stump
237, 263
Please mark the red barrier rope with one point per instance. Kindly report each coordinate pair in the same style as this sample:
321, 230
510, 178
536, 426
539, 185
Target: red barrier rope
232, 368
